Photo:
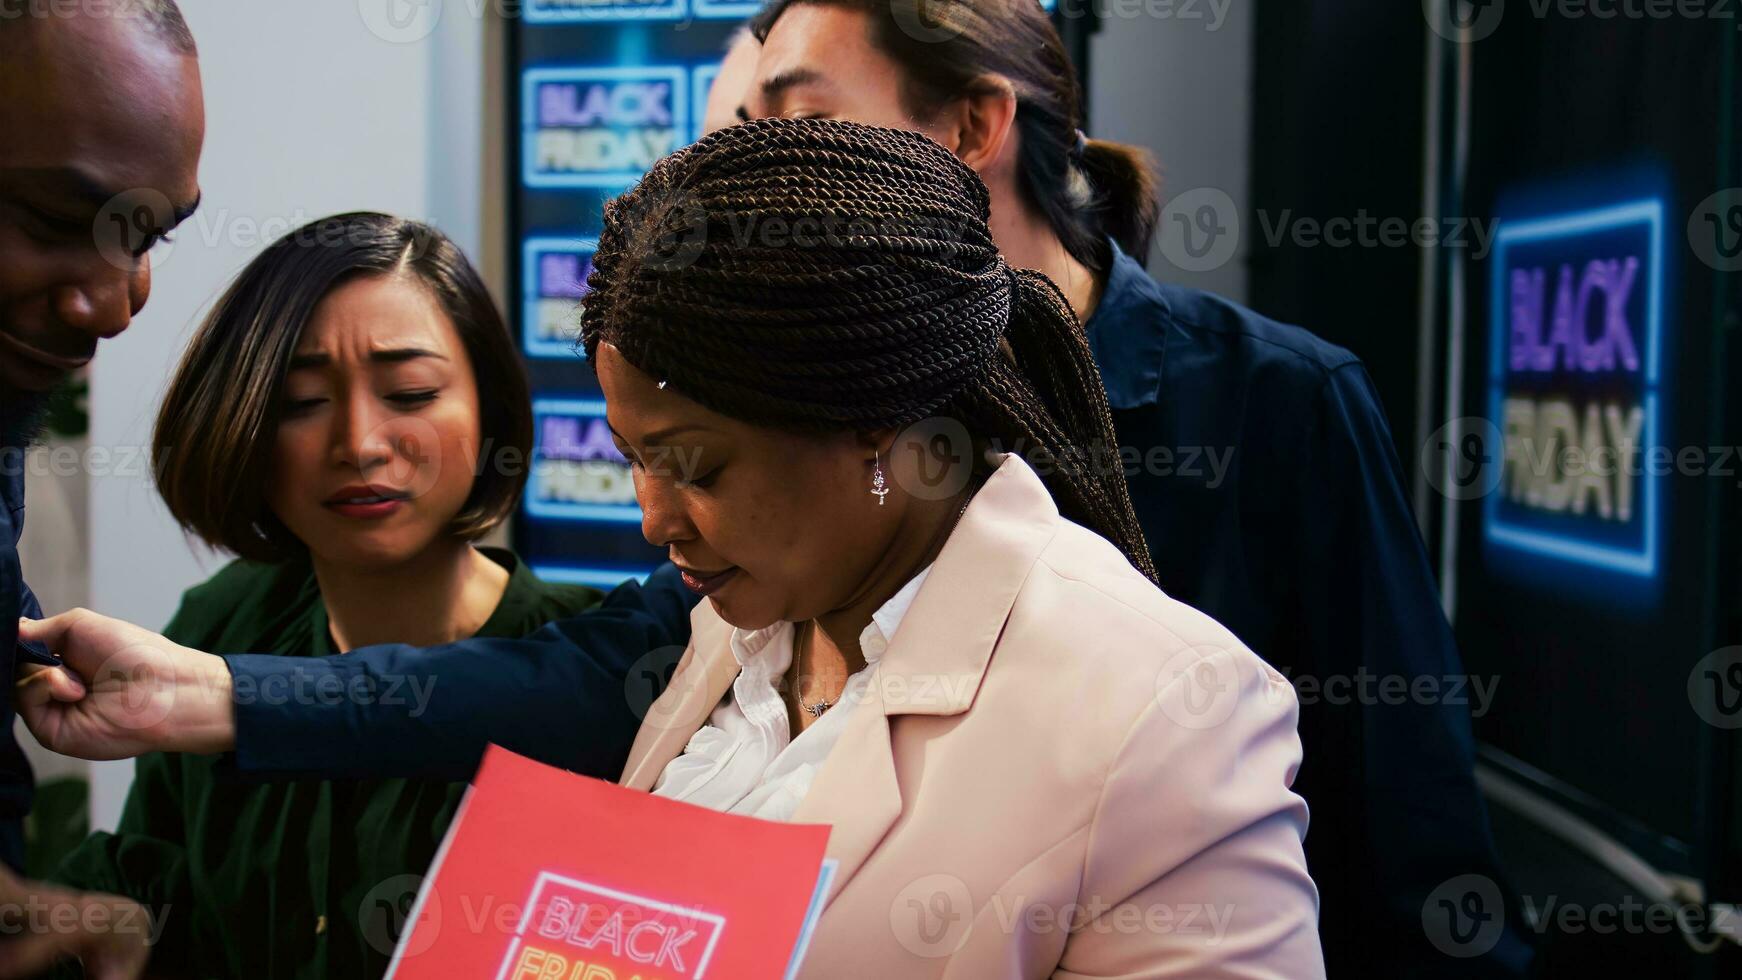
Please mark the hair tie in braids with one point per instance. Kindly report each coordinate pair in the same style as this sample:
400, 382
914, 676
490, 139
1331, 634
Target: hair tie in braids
821, 275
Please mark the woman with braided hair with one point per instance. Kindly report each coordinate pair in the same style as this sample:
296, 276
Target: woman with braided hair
1030, 757
1260, 464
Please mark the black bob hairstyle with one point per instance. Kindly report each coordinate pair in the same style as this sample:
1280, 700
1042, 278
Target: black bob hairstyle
212, 447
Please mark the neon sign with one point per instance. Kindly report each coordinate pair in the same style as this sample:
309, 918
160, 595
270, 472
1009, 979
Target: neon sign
737, 9
701, 83
600, 127
597, 577
577, 472
1576, 308
554, 273
580, 11
574, 927
734, 9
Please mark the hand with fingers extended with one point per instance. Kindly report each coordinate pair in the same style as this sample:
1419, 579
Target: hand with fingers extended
123, 691
41, 924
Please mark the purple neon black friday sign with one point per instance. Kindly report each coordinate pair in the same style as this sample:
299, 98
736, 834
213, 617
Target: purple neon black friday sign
600, 126
555, 274
577, 474
1576, 309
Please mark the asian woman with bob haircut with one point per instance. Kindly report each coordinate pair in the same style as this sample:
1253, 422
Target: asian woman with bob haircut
350, 419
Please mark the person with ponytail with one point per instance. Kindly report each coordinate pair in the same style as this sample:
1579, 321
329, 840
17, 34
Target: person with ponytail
955, 657
1257, 456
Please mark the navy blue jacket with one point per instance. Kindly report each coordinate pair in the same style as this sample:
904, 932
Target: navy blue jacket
1270, 494
16, 785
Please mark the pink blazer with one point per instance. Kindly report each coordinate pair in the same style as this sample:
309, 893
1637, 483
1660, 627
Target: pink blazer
1059, 772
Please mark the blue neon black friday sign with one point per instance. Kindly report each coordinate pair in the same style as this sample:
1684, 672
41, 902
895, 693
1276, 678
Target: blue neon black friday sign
595, 11
555, 271
1577, 320
600, 127
577, 474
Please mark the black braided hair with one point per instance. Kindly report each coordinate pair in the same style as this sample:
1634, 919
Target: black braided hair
815, 275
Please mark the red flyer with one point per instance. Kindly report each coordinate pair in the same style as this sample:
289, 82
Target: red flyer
546, 875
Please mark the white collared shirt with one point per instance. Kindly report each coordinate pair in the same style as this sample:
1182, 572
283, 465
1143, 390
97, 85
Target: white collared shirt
745, 760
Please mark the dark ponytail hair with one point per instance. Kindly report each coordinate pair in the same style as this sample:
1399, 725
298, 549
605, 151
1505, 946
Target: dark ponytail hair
817, 275
1124, 196
946, 48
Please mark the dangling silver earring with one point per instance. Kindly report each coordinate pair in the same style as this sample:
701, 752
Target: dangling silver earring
877, 485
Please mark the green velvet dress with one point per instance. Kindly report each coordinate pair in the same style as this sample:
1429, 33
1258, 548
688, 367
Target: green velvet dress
298, 879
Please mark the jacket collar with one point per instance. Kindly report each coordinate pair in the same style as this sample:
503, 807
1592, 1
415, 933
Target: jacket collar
11, 457
938, 657
769, 650
12, 479
934, 666
11, 494
1128, 333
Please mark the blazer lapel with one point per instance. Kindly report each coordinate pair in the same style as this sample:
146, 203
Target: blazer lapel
702, 678
855, 793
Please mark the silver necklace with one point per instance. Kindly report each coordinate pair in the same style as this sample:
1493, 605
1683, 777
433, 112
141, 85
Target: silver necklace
816, 709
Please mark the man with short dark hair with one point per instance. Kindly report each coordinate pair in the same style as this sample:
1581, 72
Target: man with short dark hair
104, 120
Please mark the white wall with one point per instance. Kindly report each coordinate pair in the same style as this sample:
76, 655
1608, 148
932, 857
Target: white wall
308, 112
1176, 77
